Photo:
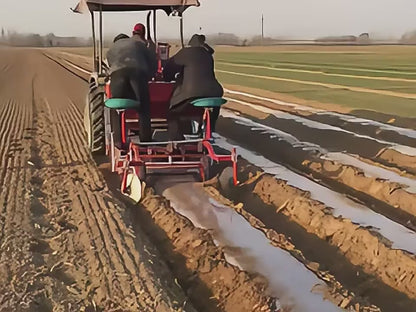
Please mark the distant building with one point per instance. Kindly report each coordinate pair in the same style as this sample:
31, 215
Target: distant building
361, 39
337, 39
364, 38
223, 39
54, 41
409, 38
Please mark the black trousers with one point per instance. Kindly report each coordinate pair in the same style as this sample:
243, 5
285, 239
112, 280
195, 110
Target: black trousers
130, 83
214, 117
178, 124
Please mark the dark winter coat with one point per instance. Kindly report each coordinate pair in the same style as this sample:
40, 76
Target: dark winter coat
130, 53
197, 77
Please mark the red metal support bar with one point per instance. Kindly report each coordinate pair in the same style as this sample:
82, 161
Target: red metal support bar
123, 127
222, 158
213, 155
207, 120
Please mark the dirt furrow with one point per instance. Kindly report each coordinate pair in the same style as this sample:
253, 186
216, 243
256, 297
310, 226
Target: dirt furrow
102, 241
73, 122
307, 159
362, 246
392, 193
10, 111
74, 148
10, 151
347, 122
27, 285
332, 138
12, 170
117, 280
358, 257
128, 260
61, 290
111, 259
69, 146
203, 271
337, 292
403, 161
64, 146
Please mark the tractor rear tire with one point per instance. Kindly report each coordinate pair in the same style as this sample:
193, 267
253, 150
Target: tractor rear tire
94, 120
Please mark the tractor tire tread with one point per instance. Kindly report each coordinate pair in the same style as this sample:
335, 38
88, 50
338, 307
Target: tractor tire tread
96, 112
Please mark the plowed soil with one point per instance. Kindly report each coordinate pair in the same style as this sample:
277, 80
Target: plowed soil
334, 194
66, 242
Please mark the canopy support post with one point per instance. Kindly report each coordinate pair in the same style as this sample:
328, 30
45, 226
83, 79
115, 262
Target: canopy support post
154, 27
94, 43
181, 29
148, 31
100, 51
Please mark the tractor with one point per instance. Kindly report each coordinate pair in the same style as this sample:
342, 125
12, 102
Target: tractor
132, 159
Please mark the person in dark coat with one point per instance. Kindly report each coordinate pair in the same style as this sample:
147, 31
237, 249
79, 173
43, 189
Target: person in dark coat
196, 80
139, 34
131, 67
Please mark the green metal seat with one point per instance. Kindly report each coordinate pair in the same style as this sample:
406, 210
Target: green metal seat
209, 102
121, 103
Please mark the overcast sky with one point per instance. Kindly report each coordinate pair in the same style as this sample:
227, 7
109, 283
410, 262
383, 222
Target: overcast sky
300, 18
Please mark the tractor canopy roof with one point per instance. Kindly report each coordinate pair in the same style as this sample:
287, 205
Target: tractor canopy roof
168, 6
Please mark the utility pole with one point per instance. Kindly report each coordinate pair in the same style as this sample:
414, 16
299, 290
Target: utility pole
262, 29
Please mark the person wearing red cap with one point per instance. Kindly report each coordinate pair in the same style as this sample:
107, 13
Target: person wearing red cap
140, 31
132, 65
139, 34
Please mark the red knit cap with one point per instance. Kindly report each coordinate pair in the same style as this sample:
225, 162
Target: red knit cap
139, 29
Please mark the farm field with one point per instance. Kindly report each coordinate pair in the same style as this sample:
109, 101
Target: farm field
323, 219
374, 78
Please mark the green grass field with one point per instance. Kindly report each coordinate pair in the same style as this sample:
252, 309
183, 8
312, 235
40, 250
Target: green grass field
386, 68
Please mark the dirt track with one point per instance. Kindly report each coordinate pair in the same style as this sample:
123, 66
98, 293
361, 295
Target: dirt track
334, 195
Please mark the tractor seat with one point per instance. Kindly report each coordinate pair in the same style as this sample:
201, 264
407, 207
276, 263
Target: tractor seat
209, 102
116, 103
